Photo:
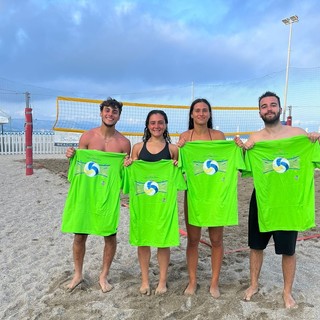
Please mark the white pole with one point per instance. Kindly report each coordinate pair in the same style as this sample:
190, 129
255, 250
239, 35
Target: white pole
287, 21
287, 76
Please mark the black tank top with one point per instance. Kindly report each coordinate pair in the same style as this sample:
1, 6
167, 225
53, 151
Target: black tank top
147, 156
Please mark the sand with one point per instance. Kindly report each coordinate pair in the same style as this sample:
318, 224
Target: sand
36, 262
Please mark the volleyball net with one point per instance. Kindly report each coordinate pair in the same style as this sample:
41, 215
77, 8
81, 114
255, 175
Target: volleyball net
76, 115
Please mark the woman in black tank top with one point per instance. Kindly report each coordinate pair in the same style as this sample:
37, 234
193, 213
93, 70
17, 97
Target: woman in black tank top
151, 157
156, 145
156, 142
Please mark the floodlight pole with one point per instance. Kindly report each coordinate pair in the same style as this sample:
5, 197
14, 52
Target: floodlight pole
288, 21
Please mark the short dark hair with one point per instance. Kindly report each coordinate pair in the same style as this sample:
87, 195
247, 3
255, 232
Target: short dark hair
147, 134
191, 123
269, 94
113, 103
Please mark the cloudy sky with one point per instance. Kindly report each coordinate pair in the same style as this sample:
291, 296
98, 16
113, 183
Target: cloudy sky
92, 48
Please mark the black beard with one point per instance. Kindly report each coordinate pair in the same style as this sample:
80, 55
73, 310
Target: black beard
273, 120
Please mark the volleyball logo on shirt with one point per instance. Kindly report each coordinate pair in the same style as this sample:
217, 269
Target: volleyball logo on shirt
280, 165
91, 169
151, 188
210, 167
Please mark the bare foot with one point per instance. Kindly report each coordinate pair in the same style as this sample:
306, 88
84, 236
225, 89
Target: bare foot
161, 289
75, 282
289, 302
251, 291
214, 291
105, 286
190, 290
145, 290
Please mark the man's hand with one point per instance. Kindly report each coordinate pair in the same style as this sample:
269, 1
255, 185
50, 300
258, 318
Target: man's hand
70, 152
314, 136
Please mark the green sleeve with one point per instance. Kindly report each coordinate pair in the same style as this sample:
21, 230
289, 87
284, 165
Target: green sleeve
316, 155
247, 172
240, 159
126, 181
181, 183
72, 164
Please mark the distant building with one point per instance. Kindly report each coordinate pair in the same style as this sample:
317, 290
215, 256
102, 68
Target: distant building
4, 119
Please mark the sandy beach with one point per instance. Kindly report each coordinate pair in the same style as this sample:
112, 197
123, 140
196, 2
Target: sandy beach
36, 262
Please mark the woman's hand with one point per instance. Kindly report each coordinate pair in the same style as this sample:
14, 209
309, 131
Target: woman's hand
238, 141
127, 161
181, 142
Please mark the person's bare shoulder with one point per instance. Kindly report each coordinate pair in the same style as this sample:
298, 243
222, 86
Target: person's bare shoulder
121, 137
136, 150
172, 146
185, 135
124, 143
296, 131
285, 132
138, 145
253, 138
217, 134
86, 138
174, 151
183, 138
256, 136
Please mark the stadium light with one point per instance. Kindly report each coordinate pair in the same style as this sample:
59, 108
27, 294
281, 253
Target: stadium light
288, 21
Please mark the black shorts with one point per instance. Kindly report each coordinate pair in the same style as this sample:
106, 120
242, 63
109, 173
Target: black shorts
284, 241
111, 235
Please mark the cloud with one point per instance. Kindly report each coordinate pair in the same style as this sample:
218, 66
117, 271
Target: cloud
21, 37
92, 47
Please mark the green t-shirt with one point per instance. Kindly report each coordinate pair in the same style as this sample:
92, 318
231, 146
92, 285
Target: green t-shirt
153, 187
93, 202
283, 174
211, 169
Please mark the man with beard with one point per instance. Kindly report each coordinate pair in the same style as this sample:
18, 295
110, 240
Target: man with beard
285, 236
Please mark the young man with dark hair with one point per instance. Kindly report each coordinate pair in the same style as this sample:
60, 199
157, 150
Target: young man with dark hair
103, 138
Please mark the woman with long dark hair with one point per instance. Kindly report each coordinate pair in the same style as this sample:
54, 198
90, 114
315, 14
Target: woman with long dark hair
200, 128
155, 146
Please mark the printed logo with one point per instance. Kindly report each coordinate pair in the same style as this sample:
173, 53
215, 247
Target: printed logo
280, 165
210, 167
151, 188
91, 169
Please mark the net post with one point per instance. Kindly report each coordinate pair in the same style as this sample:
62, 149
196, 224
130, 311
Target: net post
289, 118
28, 136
